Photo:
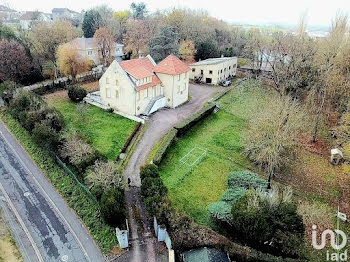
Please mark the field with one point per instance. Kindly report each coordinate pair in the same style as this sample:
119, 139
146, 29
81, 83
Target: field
192, 187
107, 132
196, 168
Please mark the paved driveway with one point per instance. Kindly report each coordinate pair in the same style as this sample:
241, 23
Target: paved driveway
161, 122
144, 246
46, 229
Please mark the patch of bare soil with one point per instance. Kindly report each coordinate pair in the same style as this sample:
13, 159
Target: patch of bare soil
91, 87
9, 251
57, 95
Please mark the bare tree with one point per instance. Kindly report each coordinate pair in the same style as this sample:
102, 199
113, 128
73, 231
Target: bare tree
104, 42
105, 175
272, 134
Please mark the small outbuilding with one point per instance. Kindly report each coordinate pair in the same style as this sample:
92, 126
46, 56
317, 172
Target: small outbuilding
214, 70
336, 156
205, 255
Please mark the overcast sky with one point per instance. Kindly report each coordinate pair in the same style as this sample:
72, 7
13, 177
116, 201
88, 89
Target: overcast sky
320, 12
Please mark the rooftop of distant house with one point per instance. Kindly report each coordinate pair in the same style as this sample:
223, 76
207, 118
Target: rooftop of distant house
6, 9
212, 61
86, 43
62, 10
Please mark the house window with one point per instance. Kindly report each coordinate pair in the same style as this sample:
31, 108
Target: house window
178, 89
161, 90
108, 92
210, 72
145, 93
193, 70
221, 71
107, 80
116, 93
201, 72
179, 77
229, 67
89, 52
116, 82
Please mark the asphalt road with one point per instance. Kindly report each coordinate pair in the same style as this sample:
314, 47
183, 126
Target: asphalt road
43, 225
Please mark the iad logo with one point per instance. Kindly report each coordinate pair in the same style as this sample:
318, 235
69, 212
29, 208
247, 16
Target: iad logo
335, 240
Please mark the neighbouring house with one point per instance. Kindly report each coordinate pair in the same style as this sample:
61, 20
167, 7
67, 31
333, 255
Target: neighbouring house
87, 48
214, 70
8, 14
141, 87
66, 14
205, 255
29, 18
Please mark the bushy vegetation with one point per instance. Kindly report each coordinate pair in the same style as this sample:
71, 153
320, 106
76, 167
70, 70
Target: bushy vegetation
43, 122
113, 207
238, 184
76, 93
268, 222
163, 146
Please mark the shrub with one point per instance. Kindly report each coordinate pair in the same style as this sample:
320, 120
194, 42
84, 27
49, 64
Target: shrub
45, 136
153, 187
273, 228
52, 116
165, 144
150, 170
7, 90
78, 151
188, 123
76, 93
221, 211
23, 102
231, 196
246, 179
106, 175
113, 207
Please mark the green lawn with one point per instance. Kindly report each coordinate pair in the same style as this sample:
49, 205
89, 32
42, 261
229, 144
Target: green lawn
107, 132
193, 188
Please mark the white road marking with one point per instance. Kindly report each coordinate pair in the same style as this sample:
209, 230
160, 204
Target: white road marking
47, 196
25, 229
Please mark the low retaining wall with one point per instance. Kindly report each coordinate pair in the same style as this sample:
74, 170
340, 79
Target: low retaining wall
61, 83
188, 123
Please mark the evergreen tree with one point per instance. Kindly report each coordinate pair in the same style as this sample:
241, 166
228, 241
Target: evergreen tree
164, 44
91, 22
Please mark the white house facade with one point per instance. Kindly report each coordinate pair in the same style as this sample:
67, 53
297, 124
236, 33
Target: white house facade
141, 87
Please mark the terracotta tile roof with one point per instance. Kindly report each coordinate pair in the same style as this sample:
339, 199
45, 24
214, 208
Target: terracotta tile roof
140, 68
155, 81
171, 66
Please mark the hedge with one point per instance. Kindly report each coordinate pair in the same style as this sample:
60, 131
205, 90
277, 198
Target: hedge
127, 143
164, 145
186, 125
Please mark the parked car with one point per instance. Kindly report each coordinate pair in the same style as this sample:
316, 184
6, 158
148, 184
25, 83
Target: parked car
225, 83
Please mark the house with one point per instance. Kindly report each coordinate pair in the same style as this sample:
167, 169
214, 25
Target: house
205, 255
30, 17
66, 14
141, 87
86, 48
7, 14
214, 70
